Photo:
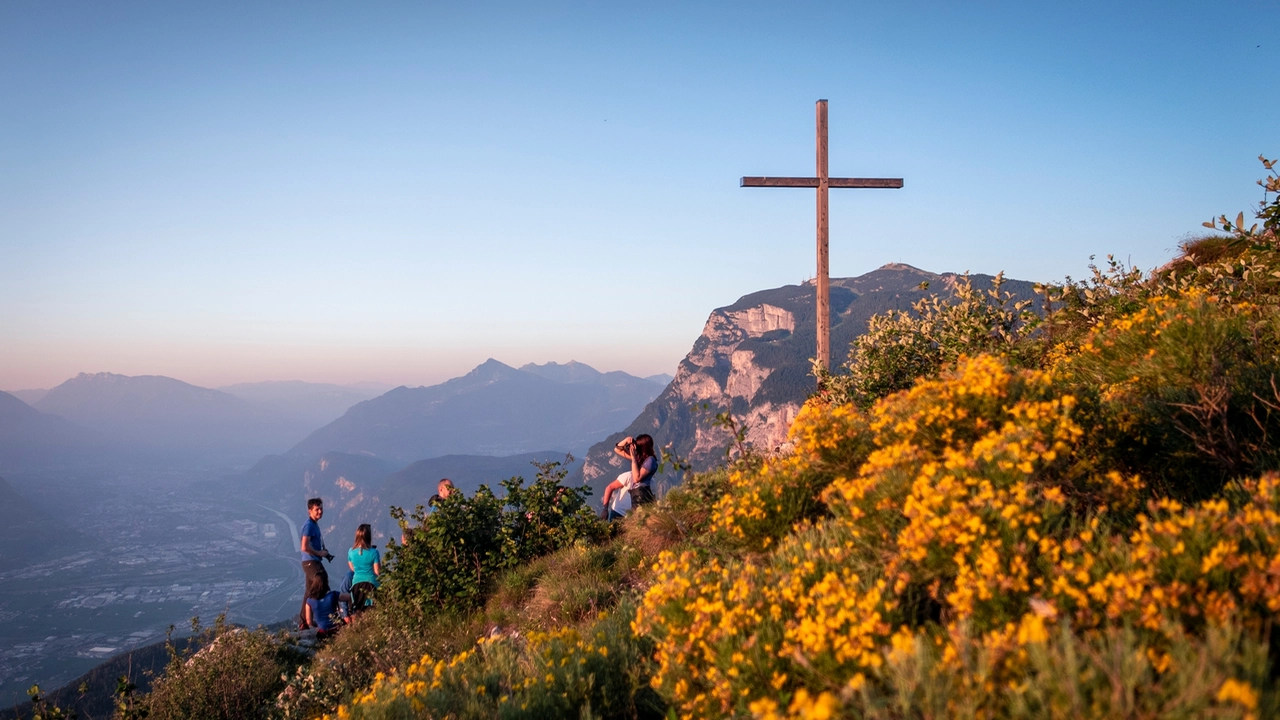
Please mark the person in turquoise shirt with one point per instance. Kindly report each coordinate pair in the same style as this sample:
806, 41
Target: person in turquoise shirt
366, 563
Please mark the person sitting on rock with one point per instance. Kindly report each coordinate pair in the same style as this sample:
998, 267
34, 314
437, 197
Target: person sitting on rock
322, 605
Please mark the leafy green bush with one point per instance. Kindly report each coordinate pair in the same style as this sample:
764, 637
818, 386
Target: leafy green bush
901, 346
44, 709
1102, 675
452, 555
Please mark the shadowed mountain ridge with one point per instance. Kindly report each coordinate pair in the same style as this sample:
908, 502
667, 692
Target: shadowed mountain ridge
30, 438
493, 410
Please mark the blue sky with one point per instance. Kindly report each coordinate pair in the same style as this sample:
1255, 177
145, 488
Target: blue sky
394, 192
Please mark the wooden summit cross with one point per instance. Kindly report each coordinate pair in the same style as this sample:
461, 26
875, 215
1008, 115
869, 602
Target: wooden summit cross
822, 182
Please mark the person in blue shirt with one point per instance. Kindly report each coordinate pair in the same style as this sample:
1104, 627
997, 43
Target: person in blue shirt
322, 605
366, 564
312, 547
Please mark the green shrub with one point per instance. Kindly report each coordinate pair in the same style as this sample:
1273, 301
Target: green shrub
901, 346
453, 554
234, 675
43, 709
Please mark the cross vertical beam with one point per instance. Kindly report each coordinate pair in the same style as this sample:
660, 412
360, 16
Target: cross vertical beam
823, 182
822, 281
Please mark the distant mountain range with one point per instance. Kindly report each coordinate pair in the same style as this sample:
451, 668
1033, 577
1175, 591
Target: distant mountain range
168, 418
112, 420
493, 410
753, 358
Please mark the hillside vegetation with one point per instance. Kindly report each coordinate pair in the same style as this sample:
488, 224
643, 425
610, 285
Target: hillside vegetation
990, 512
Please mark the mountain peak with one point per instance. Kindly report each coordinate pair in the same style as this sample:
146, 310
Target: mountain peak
490, 370
110, 379
570, 372
903, 267
493, 410
102, 376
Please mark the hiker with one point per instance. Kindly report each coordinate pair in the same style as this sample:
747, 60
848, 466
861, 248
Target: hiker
366, 563
639, 450
321, 605
444, 489
312, 552
617, 497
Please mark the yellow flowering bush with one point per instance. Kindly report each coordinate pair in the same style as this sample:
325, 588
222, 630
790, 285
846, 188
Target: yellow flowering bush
1214, 563
760, 503
934, 500
962, 534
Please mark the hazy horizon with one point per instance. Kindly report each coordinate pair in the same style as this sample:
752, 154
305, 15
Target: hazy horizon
233, 192
379, 385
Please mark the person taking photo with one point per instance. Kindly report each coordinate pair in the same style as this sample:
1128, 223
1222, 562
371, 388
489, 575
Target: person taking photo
644, 465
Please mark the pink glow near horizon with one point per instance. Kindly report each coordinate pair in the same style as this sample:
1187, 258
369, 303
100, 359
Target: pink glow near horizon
46, 369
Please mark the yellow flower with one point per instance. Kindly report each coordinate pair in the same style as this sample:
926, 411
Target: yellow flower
1238, 692
1031, 630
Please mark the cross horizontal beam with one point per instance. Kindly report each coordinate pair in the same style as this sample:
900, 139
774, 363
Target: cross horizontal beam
812, 182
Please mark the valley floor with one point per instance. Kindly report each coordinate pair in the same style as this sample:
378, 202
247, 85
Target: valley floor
147, 558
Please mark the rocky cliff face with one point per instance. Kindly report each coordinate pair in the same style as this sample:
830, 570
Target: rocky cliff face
753, 359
